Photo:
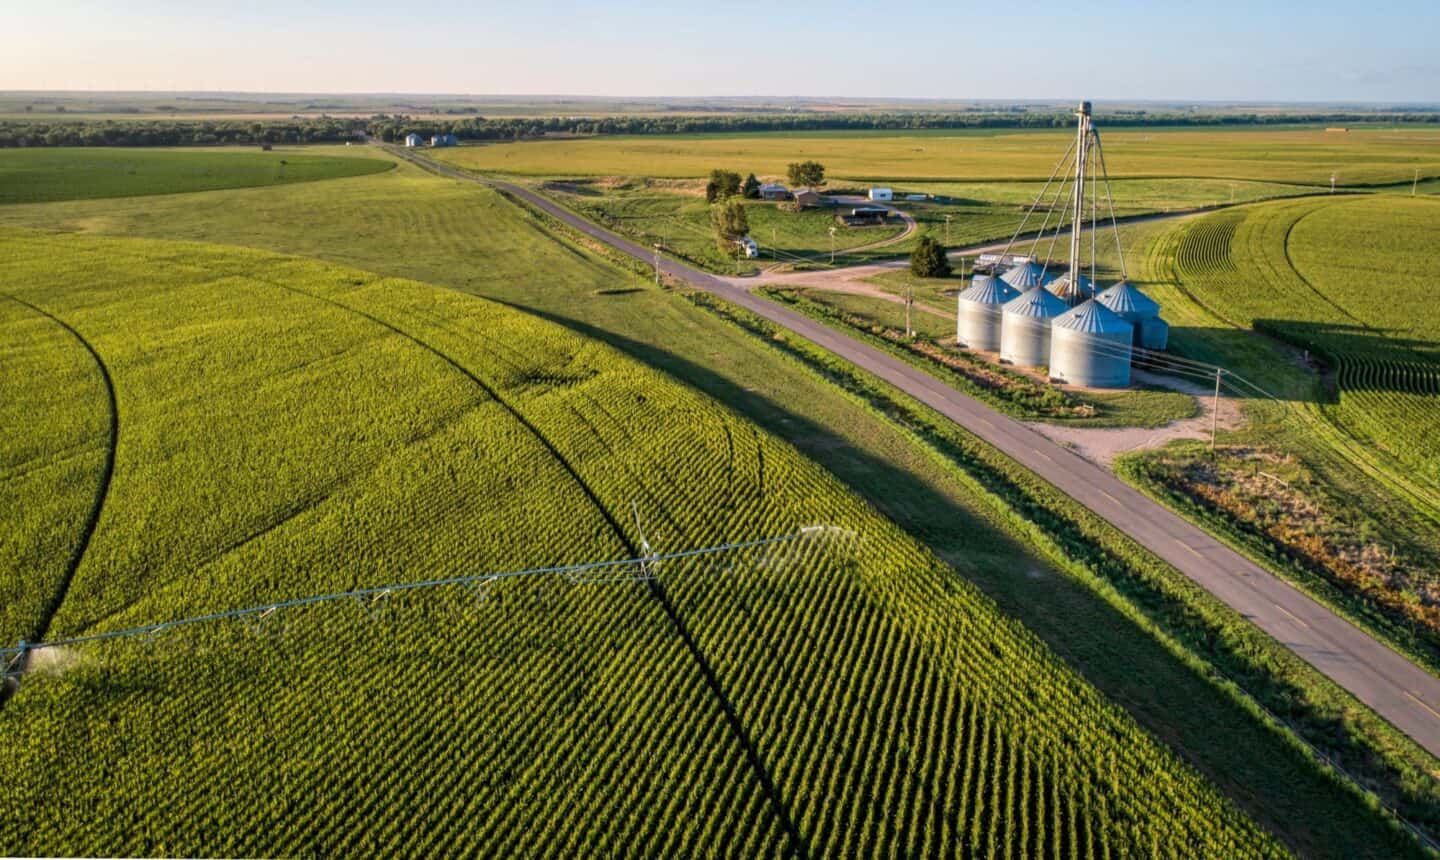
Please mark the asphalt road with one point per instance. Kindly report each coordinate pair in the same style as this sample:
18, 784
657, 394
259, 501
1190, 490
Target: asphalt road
1392, 685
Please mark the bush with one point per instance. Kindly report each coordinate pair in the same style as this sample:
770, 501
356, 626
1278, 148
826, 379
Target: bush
929, 260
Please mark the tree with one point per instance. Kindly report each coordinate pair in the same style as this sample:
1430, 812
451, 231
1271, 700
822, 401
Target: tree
806, 173
723, 185
929, 260
730, 224
751, 189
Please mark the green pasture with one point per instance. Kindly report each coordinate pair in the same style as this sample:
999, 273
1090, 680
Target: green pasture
45, 174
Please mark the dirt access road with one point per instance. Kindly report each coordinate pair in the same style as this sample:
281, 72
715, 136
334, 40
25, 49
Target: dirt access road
1396, 688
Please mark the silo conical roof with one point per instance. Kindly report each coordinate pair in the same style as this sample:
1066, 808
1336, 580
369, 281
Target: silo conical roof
1092, 317
1027, 275
989, 290
1127, 301
1036, 302
1072, 289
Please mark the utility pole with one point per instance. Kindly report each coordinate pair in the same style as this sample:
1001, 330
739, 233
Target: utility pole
1215, 410
1415, 182
774, 241
947, 228
657, 264
909, 301
1332, 183
832, 246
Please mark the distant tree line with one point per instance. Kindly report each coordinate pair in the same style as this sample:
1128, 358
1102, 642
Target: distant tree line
171, 132
76, 131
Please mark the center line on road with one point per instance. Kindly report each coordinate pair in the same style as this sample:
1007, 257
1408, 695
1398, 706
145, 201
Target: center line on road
1188, 548
1421, 702
1110, 497
1293, 617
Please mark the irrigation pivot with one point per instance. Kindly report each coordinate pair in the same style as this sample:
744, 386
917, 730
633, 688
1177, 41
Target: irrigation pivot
368, 600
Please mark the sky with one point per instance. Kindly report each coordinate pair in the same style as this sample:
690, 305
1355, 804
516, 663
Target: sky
1214, 50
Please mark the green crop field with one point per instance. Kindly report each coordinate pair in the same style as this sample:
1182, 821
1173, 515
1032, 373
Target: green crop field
1349, 279
286, 427
1300, 156
407, 224
44, 174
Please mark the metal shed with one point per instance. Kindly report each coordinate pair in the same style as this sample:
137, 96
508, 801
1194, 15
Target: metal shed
978, 312
1132, 306
1090, 346
1025, 327
1026, 275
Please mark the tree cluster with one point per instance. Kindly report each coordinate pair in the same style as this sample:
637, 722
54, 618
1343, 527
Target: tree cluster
809, 174
929, 260
730, 224
169, 132
723, 185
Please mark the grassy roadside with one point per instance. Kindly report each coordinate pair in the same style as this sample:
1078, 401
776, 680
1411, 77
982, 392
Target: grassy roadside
1214, 660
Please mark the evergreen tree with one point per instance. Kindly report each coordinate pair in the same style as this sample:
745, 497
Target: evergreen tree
929, 260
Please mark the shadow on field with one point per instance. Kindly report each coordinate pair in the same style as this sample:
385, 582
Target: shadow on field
1262, 771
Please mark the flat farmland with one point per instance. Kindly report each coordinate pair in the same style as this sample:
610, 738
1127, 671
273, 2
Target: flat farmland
1291, 156
592, 714
45, 174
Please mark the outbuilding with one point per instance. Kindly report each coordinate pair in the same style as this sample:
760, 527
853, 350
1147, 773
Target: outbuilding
774, 191
412, 139
444, 140
881, 195
806, 197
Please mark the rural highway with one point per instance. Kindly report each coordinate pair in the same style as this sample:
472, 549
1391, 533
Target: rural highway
1393, 686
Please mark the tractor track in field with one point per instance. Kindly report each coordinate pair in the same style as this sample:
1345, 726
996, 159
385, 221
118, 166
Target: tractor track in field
656, 590
92, 521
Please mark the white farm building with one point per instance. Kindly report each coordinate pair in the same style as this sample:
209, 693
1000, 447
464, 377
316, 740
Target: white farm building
881, 194
412, 139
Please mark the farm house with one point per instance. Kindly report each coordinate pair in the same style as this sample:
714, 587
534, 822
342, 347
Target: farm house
412, 139
806, 197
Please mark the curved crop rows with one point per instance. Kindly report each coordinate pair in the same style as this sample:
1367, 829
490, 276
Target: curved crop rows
1243, 265
299, 428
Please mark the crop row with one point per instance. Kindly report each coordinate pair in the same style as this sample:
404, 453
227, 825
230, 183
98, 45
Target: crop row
288, 428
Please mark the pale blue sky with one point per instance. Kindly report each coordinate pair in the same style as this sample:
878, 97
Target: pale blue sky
1211, 50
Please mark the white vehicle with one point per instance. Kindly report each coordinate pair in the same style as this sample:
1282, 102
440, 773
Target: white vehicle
748, 247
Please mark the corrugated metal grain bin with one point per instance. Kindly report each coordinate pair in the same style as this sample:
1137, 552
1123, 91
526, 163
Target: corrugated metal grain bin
1132, 306
1154, 333
1025, 327
978, 312
1072, 290
1090, 346
1027, 275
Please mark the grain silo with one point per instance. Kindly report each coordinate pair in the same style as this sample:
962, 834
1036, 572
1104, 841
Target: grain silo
1090, 346
977, 323
1072, 290
1130, 305
1154, 333
1025, 327
1027, 275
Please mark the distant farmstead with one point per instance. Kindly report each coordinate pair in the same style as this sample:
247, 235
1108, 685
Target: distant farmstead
413, 139
774, 191
444, 140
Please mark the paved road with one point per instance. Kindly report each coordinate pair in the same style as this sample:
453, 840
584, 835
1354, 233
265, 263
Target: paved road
1391, 684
